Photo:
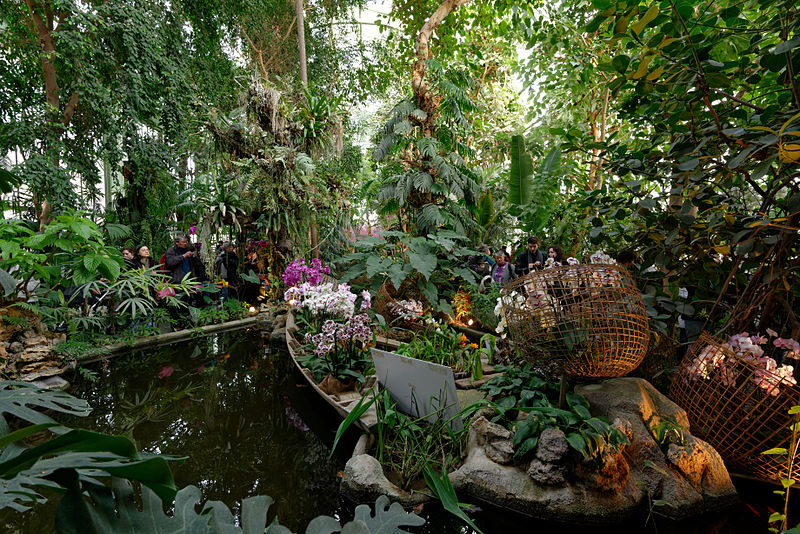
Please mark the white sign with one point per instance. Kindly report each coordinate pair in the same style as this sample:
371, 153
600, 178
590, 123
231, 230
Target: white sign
421, 389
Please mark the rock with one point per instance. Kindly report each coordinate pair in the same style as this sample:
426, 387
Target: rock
15, 347
553, 446
486, 430
363, 481
557, 484
691, 479
632, 396
511, 487
280, 321
547, 474
278, 337
52, 382
495, 439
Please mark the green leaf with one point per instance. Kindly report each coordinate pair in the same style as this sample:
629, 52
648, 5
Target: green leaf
358, 410
521, 174
388, 518
250, 277
649, 15
8, 181
525, 429
7, 282
91, 262
785, 46
443, 489
776, 451
423, 262
485, 209
621, 63
17, 398
526, 446
577, 442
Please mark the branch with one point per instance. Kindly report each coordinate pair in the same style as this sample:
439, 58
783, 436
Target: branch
739, 100
70, 109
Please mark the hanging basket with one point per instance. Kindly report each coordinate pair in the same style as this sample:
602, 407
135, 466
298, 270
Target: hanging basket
737, 406
590, 317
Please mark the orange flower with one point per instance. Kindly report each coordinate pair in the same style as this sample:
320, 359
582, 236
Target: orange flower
462, 340
473, 345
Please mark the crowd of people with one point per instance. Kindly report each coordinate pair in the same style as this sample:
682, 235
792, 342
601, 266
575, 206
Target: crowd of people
183, 259
499, 268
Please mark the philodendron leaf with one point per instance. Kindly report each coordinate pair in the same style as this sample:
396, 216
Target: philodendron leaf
387, 519
115, 510
16, 398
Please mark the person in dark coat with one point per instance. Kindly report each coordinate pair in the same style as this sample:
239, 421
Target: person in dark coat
531, 258
128, 256
143, 258
177, 259
227, 264
482, 263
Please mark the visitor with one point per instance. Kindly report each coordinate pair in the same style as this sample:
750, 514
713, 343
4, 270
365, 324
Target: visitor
226, 264
252, 266
482, 263
196, 263
198, 270
129, 258
143, 258
626, 258
177, 259
502, 271
557, 254
531, 258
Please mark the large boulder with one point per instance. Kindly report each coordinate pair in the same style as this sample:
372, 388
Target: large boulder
363, 481
689, 478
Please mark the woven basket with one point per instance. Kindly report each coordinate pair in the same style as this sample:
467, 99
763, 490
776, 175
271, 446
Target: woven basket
382, 304
590, 317
730, 411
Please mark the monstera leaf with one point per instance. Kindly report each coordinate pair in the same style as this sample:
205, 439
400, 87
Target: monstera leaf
24, 471
82, 451
115, 510
18, 398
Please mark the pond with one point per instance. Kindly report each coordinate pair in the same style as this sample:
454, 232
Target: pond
249, 426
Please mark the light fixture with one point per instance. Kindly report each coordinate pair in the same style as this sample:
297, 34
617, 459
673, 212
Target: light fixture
469, 323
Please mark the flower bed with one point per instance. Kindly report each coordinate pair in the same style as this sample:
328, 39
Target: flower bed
738, 398
590, 317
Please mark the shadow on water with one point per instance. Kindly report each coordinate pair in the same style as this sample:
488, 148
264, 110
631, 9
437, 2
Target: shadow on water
249, 426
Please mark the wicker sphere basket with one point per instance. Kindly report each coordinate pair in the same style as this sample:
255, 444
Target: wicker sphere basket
394, 312
737, 406
589, 316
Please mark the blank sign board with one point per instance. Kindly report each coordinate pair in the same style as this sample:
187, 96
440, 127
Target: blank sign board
421, 389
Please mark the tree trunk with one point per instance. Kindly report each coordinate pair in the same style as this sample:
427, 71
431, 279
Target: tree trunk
425, 100
301, 46
44, 30
301, 41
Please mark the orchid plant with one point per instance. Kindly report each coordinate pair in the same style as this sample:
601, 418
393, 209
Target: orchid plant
298, 272
340, 349
337, 339
712, 362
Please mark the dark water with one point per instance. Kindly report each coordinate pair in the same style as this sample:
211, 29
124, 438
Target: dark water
248, 428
